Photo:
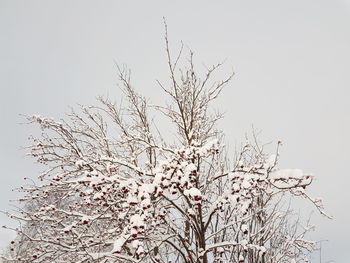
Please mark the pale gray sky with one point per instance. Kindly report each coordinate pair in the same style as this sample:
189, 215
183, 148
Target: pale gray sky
291, 60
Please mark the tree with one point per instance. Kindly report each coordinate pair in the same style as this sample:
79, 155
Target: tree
116, 191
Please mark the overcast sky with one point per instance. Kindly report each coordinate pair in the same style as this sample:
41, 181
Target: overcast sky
291, 59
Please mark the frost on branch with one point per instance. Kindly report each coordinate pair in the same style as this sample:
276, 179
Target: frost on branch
115, 191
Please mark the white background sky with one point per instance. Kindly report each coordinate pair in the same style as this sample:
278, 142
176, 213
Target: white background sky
291, 58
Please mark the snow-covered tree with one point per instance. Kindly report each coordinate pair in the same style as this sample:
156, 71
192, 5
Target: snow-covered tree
116, 190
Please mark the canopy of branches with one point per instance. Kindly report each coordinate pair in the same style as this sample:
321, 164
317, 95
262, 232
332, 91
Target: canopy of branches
115, 190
